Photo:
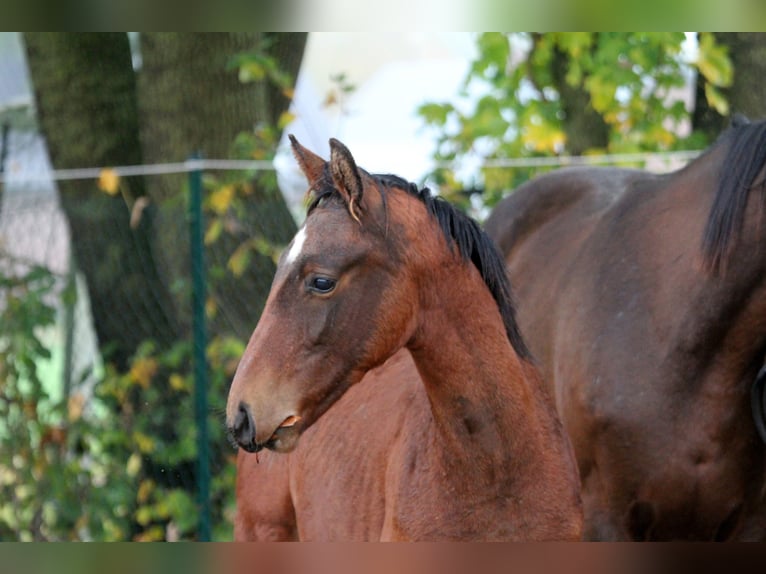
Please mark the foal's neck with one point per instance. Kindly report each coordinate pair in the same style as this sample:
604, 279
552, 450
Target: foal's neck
483, 403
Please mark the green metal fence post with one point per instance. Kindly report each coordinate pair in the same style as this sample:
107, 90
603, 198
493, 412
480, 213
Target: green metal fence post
69, 301
199, 351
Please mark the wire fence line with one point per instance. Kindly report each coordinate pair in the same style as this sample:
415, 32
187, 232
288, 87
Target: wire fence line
605, 159
149, 169
267, 165
165, 484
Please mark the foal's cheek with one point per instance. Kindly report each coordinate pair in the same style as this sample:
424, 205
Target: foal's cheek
320, 322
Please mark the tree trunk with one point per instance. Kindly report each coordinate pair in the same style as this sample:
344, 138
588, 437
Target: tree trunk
88, 106
191, 100
584, 127
747, 94
86, 103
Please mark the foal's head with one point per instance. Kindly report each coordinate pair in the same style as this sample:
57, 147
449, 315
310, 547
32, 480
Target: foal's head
345, 296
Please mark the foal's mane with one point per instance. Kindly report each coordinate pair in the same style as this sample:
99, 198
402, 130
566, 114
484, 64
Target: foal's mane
461, 231
744, 160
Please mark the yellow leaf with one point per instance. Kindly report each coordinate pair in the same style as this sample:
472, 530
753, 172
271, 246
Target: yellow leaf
143, 517
145, 443
144, 490
713, 61
601, 91
82, 522
134, 464
716, 99
211, 308
142, 371
75, 406
177, 382
662, 137
239, 260
109, 181
251, 71
543, 137
285, 119
213, 231
153, 534
113, 532
220, 199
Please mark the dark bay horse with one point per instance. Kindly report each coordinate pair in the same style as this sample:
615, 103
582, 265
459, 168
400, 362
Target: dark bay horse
643, 299
387, 381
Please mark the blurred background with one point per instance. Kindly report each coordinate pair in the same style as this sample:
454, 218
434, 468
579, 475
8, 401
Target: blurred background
131, 275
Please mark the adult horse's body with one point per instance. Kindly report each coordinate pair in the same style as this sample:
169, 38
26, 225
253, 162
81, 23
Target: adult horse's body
643, 299
388, 346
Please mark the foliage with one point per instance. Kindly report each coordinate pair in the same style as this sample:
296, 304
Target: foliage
225, 209
341, 90
229, 194
519, 96
259, 65
28, 434
118, 462
107, 466
155, 433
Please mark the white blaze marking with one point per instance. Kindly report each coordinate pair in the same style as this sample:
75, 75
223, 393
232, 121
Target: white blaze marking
297, 246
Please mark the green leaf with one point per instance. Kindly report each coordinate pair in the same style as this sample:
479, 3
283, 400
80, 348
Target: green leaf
519, 111
251, 71
602, 91
574, 73
575, 44
495, 49
713, 62
435, 114
488, 119
182, 509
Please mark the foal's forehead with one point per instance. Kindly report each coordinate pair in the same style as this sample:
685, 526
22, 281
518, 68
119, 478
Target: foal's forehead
296, 246
323, 231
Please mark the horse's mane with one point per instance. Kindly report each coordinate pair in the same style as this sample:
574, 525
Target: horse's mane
471, 240
744, 160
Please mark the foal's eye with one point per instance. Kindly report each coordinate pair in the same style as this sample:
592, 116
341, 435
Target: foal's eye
322, 284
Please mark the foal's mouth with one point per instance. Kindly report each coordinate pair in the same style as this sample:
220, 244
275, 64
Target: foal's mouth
242, 434
289, 422
283, 439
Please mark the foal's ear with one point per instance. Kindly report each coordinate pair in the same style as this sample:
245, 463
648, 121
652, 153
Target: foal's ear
345, 174
310, 163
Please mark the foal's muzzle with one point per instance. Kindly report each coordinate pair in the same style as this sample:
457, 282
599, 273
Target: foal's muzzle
283, 439
243, 429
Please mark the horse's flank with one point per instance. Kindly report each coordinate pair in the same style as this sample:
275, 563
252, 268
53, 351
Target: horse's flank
431, 425
643, 298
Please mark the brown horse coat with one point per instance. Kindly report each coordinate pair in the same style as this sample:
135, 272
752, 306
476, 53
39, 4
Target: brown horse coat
651, 336
388, 375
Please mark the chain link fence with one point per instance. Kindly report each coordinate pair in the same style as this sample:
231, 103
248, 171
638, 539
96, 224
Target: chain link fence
123, 319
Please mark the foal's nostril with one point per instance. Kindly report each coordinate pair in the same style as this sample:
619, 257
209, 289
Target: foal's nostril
243, 429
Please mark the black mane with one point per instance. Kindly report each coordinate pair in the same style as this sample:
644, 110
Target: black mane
459, 229
744, 160
472, 242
